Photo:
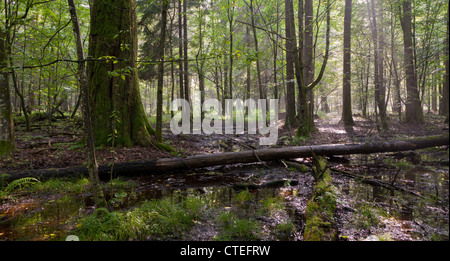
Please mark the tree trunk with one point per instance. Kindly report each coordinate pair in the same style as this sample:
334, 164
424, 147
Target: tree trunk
200, 62
21, 99
92, 165
7, 140
445, 102
180, 49
397, 103
414, 112
187, 93
117, 110
378, 67
309, 63
159, 92
347, 117
306, 119
249, 76
275, 54
382, 90
159, 166
290, 84
230, 13
255, 38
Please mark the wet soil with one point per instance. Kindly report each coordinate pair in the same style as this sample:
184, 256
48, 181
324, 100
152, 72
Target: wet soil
364, 212
57, 144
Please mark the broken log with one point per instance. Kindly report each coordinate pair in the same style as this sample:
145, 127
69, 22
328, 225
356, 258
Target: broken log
157, 166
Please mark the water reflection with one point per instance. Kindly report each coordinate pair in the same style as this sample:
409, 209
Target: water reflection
422, 213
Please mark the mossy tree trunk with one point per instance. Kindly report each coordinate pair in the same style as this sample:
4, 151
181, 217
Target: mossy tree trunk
6, 120
117, 111
321, 208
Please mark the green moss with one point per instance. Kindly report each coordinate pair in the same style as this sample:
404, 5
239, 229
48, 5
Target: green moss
314, 229
234, 228
165, 147
6, 147
321, 207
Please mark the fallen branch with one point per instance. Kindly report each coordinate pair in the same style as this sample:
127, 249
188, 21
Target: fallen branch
375, 182
157, 166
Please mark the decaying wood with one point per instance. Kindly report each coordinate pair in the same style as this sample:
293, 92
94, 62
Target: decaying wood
157, 166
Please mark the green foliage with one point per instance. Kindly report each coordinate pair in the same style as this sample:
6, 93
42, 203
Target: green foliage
21, 183
287, 227
62, 185
271, 205
6, 147
6, 189
154, 219
234, 228
3, 180
77, 145
367, 217
242, 196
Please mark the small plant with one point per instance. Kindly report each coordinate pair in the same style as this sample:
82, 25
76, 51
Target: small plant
234, 228
243, 196
367, 217
62, 185
20, 183
298, 140
404, 164
271, 205
3, 180
287, 227
5, 190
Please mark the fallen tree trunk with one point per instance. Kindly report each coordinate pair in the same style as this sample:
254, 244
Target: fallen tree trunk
156, 166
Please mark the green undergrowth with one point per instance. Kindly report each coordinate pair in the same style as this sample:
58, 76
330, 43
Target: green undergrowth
153, 220
234, 228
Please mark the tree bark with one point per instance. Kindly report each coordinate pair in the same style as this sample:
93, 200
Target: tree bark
255, 38
117, 109
7, 139
347, 117
158, 166
445, 102
309, 63
290, 84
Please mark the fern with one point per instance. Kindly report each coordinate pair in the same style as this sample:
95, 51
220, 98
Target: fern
20, 182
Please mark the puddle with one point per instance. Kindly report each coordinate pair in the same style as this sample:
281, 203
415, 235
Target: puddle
363, 212
47, 220
419, 212
270, 208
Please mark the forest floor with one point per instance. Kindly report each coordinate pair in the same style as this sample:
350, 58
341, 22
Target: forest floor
58, 144
400, 216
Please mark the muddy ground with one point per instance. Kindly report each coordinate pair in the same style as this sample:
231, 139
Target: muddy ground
57, 144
